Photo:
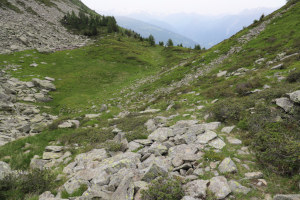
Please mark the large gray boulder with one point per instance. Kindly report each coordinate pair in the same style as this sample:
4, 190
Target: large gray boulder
219, 187
227, 166
295, 96
4, 169
285, 104
196, 188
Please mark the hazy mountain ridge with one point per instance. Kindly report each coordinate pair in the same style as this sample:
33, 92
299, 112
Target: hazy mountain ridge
205, 30
159, 33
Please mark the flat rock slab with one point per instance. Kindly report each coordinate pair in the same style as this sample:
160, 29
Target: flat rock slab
234, 141
206, 137
254, 175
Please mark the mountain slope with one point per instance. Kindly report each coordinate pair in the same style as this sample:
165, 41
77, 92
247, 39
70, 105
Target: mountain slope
160, 34
42, 28
221, 123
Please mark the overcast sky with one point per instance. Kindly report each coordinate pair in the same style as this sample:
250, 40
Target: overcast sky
207, 7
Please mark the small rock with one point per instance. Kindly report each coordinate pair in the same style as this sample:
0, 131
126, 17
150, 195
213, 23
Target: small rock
254, 175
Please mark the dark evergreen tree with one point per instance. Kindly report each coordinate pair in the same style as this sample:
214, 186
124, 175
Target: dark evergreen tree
151, 40
170, 43
197, 47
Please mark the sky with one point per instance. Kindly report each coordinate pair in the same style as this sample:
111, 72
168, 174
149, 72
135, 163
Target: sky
203, 7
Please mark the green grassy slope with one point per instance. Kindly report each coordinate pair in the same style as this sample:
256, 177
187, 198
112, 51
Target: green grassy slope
88, 77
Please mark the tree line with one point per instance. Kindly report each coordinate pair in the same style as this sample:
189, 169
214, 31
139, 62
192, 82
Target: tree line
89, 25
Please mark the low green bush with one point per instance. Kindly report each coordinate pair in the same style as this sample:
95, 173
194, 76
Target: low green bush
293, 77
163, 188
277, 147
19, 186
230, 109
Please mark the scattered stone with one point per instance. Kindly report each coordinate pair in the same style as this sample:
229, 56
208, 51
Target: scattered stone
92, 116
222, 73
234, 141
280, 66
254, 175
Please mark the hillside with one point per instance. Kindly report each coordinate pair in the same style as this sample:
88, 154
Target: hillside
121, 119
160, 34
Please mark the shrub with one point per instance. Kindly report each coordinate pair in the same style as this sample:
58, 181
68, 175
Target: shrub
228, 110
163, 188
18, 186
87, 136
293, 77
277, 147
245, 87
113, 146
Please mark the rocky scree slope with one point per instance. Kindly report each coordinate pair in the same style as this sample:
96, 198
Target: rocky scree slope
33, 24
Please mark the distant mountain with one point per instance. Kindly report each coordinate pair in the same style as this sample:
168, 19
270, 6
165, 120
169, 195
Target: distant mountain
160, 34
205, 30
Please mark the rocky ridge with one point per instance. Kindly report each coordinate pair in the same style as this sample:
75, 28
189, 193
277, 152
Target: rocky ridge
37, 26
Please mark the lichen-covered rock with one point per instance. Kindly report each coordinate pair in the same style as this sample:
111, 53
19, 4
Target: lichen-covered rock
227, 166
219, 187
